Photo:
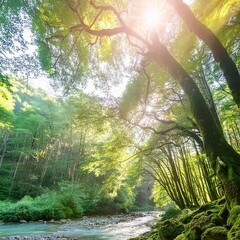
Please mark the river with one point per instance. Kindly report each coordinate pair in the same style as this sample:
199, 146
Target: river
116, 227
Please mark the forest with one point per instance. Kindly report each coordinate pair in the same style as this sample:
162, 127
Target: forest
143, 112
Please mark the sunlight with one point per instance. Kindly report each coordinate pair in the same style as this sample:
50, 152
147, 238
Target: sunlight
152, 17
149, 108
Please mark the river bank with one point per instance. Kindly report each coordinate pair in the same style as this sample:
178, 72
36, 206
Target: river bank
116, 227
212, 221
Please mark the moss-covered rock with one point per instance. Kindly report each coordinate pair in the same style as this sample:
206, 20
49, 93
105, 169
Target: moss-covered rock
215, 233
169, 229
186, 218
207, 209
224, 213
193, 233
200, 221
154, 236
213, 207
171, 213
180, 237
204, 221
234, 215
234, 233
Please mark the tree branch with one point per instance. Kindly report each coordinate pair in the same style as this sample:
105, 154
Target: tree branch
109, 8
106, 32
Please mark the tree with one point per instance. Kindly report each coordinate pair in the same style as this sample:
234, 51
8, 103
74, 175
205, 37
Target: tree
103, 21
183, 173
220, 54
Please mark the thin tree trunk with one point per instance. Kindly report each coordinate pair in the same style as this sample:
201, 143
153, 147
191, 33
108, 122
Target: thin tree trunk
15, 172
210, 97
4, 148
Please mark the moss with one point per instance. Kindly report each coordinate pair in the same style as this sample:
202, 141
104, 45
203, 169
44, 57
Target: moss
205, 223
204, 219
224, 213
209, 208
193, 233
147, 235
171, 213
154, 237
187, 217
234, 233
200, 220
169, 229
180, 237
214, 207
216, 219
234, 214
215, 233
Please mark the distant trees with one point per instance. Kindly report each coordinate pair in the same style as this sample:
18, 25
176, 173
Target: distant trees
52, 144
182, 170
39, 147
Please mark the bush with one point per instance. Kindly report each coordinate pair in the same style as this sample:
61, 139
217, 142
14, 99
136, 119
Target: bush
50, 205
69, 201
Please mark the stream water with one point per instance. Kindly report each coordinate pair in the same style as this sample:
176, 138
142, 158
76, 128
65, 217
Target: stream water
118, 227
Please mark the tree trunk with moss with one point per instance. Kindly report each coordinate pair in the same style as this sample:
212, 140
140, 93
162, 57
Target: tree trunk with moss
220, 54
223, 158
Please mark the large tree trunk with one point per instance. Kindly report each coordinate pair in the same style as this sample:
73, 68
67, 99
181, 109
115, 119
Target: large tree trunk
220, 54
223, 158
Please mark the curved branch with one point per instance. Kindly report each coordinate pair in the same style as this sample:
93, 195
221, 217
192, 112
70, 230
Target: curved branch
184, 130
106, 32
109, 8
98, 33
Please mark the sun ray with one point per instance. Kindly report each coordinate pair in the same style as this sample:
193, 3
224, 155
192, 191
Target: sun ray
151, 17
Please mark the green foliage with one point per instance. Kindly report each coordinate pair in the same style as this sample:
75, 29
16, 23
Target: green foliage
160, 197
69, 201
234, 232
134, 95
6, 101
50, 205
5, 81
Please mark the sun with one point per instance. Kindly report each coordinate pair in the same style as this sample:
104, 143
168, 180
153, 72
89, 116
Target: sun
152, 17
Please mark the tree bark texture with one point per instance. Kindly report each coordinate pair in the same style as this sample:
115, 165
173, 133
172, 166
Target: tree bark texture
220, 54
